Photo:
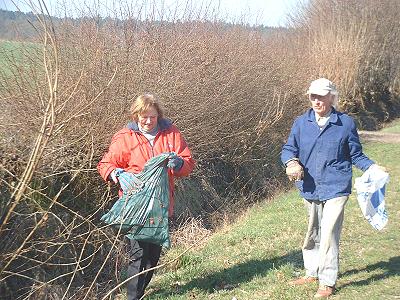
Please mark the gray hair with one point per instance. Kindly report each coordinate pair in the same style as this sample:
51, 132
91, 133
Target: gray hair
335, 98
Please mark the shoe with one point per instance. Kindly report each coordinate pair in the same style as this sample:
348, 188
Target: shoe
303, 280
324, 291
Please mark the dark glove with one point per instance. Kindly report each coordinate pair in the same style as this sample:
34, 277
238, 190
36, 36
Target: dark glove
175, 163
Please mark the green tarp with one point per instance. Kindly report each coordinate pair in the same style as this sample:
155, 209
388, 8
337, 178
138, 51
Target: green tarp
141, 213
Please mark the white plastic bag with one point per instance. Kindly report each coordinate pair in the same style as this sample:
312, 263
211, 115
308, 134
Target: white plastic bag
370, 189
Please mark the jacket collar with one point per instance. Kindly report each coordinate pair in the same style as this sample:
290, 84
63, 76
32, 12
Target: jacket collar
332, 119
163, 124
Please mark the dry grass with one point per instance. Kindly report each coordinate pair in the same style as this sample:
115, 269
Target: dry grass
191, 232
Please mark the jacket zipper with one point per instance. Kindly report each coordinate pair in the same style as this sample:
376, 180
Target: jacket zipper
154, 141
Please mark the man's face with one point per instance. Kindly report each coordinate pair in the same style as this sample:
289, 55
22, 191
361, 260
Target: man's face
321, 104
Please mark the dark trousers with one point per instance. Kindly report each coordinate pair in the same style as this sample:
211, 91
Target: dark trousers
142, 256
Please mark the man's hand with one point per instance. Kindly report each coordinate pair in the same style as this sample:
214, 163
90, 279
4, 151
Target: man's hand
294, 170
378, 167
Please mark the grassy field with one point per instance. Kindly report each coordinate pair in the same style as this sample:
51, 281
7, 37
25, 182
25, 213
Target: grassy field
392, 127
256, 257
14, 53
8, 48
10, 53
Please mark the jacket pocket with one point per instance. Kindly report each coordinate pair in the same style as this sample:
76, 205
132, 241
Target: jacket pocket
344, 168
332, 150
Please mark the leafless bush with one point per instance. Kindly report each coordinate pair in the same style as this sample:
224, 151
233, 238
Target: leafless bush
70, 92
219, 82
352, 42
233, 90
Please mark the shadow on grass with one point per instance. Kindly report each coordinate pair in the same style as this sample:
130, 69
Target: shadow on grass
388, 268
231, 277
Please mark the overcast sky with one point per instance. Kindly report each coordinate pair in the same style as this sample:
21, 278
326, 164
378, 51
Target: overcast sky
266, 12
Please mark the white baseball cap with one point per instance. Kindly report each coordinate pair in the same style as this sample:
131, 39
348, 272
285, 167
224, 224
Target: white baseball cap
322, 87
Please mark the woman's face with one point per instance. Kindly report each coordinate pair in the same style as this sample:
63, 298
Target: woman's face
321, 104
148, 119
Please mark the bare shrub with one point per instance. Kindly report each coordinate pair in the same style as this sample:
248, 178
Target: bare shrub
219, 83
70, 91
352, 42
232, 89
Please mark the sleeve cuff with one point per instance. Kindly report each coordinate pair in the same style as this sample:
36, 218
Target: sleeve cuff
292, 159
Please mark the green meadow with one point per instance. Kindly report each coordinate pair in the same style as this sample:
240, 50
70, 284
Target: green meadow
255, 257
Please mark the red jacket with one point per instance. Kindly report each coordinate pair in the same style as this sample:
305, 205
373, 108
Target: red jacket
130, 150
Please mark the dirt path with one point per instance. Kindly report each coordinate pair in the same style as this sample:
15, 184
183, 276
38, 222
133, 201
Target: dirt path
376, 136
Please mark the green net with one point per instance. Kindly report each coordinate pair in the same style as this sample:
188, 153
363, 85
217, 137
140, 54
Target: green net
141, 213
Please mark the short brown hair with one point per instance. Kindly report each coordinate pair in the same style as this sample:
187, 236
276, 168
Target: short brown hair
143, 103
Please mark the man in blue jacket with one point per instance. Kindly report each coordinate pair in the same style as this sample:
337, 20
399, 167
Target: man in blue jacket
322, 147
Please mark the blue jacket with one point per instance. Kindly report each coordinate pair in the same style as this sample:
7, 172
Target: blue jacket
326, 155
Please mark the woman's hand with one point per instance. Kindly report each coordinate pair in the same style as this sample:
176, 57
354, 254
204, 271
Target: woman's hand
114, 175
175, 163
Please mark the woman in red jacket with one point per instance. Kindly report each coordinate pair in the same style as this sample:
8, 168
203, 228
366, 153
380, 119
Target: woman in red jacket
148, 135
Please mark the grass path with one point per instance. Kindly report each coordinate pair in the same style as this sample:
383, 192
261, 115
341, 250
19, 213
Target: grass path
255, 257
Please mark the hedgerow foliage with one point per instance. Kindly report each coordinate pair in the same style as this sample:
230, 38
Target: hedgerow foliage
232, 89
